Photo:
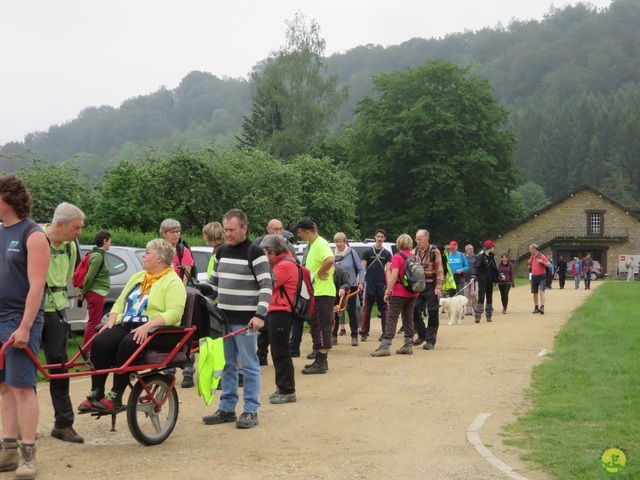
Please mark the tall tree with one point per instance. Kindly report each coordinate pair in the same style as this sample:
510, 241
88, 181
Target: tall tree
293, 97
432, 150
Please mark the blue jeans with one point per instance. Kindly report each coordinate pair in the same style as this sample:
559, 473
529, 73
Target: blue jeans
242, 347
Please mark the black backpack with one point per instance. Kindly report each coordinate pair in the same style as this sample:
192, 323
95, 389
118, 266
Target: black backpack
193, 276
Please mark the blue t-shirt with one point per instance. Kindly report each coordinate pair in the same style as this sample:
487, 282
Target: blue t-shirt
458, 261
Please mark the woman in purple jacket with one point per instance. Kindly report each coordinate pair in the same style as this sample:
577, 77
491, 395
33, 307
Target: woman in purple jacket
506, 280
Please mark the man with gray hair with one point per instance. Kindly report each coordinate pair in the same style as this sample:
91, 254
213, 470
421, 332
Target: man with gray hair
62, 232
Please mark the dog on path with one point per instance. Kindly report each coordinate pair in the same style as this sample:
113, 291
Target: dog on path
454, 307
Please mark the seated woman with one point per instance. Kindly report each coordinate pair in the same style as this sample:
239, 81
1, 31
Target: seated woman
153, 297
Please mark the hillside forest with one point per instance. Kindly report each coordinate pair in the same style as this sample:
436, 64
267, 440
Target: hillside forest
481, 127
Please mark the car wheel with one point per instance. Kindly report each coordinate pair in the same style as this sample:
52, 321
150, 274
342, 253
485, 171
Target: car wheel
593, 276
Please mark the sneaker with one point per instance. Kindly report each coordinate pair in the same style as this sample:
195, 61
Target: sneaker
405, 350
67, 434
334, 340
541, 310
219, 416
343, 332
418, 341
428, 346
477, 320
187, 381
9, 456
488, 319
111, 403
27, 466
364, 338
504, 312
247, 420
278, 398
354, 341
381, 352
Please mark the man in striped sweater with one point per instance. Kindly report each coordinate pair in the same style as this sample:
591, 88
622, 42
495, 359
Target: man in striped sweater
242, 284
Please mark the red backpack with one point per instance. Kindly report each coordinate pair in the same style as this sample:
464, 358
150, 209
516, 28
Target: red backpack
304, 303
82, 269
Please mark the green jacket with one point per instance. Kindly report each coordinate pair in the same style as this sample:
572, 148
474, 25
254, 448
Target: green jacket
61, 266
98, 277
167, 297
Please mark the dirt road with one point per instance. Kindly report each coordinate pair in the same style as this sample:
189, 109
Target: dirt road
373, 418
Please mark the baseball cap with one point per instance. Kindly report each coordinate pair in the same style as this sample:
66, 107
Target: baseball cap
453, 244
305, 224
489, 244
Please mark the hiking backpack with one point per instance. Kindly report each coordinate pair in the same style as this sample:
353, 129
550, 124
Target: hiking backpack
304, 303
413, 278
193, 276
81, 270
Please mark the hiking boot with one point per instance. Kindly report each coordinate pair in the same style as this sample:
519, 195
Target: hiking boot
312, 355
428, 346
319, 366
9, 456
541, 310
364, 337
27, 465
247, 420
405, 350
488, 319
334, 340
111, 403
278, 398
536, 310
381, 352
418, 341
343, 332
477, 320
219, 416
308, 365
187, 381
66, 434
354, 341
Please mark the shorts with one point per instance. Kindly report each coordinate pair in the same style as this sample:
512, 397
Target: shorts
19, 370
538, 282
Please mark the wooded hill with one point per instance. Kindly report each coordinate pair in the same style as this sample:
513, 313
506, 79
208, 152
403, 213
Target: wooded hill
569, 81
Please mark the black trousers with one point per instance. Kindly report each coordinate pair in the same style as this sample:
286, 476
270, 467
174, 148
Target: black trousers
504, 294
55, 338
562, 277
485, 290
263, 342
279, 326
427, 300
320, 323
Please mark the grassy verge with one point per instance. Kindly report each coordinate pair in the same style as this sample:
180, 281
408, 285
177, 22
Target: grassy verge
584, 398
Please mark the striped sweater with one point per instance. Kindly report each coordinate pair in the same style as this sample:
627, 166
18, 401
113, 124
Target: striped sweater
241, 282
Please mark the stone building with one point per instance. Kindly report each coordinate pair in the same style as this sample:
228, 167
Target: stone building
583, 221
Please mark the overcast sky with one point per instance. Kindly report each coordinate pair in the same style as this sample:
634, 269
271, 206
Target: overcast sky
61, 56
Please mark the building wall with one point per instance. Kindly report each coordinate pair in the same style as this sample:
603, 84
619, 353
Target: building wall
572, 213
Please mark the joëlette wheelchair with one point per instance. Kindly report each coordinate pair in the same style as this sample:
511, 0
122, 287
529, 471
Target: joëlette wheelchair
152, 408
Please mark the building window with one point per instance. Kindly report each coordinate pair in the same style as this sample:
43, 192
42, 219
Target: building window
595, 223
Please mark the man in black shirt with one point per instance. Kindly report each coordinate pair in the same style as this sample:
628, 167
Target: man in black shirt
375, 261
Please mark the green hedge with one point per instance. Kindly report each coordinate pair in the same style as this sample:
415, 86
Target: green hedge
127, 238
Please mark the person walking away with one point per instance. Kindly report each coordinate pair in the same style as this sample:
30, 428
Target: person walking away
62, 232
401, 300
485, 274
376, 262
280, 317
506, 280
24, 256
562, 271
96, 284
539, 264
587, 267
471, 290
242, 285
319, 261
630, 265
577, 271
349, 260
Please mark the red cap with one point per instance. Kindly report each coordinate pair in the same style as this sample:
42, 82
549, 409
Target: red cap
489, 244
453, 244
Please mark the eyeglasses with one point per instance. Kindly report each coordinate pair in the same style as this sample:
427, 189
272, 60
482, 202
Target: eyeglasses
175, 231
150, 252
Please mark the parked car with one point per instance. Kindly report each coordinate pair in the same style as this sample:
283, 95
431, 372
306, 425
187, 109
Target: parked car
596, 272
123, 262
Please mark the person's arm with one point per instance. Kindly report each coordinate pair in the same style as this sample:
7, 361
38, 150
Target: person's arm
391, 281
38, 254
95, 262
327, 263
513, 275
360, 269
439, 271
546, 263
465, 264
263, 277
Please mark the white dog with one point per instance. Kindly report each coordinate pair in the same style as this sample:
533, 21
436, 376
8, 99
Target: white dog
454, 307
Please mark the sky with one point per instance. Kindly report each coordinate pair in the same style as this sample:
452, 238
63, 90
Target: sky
59, 57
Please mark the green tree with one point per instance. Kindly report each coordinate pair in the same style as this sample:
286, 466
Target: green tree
432, 150
52, 184
293, 98
530, 196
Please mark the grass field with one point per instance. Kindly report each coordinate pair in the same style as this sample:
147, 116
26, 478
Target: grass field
585, 397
